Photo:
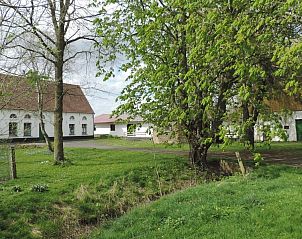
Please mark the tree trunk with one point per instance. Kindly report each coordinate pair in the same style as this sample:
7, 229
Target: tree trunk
198, 156
59, 92
58, 113
42, 125
249, 134
45, 136
44, 133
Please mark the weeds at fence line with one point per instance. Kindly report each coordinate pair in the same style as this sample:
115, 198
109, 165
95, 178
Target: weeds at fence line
4, 161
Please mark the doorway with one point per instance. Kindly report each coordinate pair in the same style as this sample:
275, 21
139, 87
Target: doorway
299, 129
131, 128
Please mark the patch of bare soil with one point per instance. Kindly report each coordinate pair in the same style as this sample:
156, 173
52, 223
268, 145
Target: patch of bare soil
275, 157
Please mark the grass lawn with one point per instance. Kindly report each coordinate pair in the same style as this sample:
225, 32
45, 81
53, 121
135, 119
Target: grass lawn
266, 204
292, 147
139, 143
98, 185
148, 144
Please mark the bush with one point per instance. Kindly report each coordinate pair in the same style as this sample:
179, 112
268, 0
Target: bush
39, 188
16, 188
258, 159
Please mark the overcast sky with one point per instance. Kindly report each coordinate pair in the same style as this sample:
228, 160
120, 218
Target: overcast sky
101, 95
82, 70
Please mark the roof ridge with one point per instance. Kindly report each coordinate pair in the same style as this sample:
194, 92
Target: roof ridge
22, 95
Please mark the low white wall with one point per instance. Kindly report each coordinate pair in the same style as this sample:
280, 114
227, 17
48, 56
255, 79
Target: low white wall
121, 130
49, 116
291, 122
102, 129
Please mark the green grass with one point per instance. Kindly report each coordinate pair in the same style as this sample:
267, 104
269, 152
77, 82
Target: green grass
235, 146
261, 147
4, 163
96, 186
266, 204
139, 143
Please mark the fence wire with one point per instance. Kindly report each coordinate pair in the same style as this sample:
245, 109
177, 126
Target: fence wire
4, 161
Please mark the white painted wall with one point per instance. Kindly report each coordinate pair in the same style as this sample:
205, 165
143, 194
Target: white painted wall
121, 130
49, 116
286, 121
102, 129
291, 122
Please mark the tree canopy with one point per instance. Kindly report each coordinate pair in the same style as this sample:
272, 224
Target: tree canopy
203, 66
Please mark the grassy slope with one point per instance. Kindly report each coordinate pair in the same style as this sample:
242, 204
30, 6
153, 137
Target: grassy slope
98, 183
103, 181
266, 204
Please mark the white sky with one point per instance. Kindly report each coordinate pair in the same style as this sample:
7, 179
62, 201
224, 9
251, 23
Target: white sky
83, 73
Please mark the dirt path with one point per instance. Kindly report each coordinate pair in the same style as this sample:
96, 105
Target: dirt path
277, 157
280, 157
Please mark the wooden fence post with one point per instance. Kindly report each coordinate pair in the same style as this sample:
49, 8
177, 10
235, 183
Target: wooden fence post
240, 162
12, 161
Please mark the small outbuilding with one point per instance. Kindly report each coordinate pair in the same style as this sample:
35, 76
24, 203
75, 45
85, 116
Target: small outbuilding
289, 111
106, 124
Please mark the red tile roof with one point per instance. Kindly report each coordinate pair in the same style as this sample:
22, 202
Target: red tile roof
108, 118
19, 94
284, 102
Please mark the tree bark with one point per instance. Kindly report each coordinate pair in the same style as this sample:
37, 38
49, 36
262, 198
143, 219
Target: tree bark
42, 125
249, 134
58, 113
59, 91
198, 155
59, 94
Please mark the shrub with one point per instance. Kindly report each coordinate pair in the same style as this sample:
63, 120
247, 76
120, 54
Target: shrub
16, 188
258, 159
39, 188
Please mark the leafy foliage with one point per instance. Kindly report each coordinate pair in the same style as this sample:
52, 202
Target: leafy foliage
202, 67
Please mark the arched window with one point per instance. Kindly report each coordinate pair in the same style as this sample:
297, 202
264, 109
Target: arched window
71, 117
13, 116
27, 116
84, 118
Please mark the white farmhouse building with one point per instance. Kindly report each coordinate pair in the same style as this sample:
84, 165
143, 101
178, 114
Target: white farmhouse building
290, 112
19, 120
106, 124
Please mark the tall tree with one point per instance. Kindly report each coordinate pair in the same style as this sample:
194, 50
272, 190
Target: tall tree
193, 64
262, 29
40, 83
174, 79
48, 28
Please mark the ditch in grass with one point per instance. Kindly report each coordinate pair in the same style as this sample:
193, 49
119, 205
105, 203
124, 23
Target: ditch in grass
265, 204
98, 186
48, 201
